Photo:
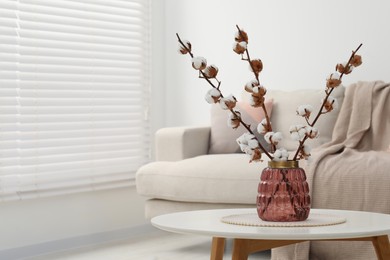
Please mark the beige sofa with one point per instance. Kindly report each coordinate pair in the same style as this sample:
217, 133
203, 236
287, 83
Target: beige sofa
185, 177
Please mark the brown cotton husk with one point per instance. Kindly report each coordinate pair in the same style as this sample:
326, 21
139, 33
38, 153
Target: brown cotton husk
333, 83
256, 156
241, 36
183, 50
262, 91
342, 69
239, 49
257, 65
211, 71
216, 99
258, 101
328, 106
356, 60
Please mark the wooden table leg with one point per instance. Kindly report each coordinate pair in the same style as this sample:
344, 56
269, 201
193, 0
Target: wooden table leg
217, 248
242, 248
382, 247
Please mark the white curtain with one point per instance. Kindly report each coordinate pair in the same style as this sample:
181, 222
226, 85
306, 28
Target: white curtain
74, 92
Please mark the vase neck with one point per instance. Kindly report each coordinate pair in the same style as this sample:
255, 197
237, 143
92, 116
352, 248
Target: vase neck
283, 164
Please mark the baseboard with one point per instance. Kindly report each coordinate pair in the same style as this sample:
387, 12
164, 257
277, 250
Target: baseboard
35, 250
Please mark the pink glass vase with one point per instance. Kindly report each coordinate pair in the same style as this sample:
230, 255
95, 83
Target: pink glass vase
283, 193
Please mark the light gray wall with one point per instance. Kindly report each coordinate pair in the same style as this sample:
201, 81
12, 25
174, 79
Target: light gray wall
42, 220
300, 43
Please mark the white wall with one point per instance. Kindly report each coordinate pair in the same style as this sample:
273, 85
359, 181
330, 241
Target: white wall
299, 42
35, 221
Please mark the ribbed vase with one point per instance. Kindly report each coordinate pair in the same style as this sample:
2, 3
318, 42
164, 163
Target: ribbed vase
283, 193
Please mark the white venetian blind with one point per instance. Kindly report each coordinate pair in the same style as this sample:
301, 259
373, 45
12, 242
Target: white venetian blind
74, 87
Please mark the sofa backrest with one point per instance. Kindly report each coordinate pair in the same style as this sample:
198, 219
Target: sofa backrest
284, 115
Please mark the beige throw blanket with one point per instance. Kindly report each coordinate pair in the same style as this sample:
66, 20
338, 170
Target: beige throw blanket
351, 172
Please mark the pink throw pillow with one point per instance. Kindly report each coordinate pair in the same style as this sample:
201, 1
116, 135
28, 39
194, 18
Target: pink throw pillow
223, 138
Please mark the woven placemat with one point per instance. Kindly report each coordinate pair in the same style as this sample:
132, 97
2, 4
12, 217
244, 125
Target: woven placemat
314, 220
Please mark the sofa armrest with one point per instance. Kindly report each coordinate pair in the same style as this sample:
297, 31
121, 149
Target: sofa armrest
178, 143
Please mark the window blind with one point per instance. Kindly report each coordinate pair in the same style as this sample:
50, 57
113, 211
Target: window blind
74, 92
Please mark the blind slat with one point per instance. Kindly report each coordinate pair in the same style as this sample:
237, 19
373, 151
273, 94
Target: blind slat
74, 95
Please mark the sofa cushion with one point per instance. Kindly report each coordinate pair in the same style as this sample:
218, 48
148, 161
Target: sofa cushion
223, 138
218, 178
284, 114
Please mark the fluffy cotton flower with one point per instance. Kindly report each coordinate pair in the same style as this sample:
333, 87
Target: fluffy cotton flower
333, 80
239, 47
311, 132
256, 66
343, 68
184, 50
211, 71
330, 104
245, 141
304, 110
259, 90
241, 36
280, 155
213, 96
234, 119
297, 132
251, 84
273, 138
305, 151
263, 127
249, 145
228, 102
199, 63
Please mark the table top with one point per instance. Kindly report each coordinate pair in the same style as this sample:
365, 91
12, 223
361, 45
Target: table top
208, 222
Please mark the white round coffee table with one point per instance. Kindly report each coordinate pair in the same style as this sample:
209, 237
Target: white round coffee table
359, 226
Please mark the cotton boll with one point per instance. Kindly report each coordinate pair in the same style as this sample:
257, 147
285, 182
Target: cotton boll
333, 80
342, 68
253, 143
199, 63
311, 132
228, 102
356, 60
213, 96
250, 85
184, 50
304, 110
234, 119
281, 155
277, 137
239, 47
241, 36
295, 136
268, 136
256, 66
330, 104
297, 132
211, 71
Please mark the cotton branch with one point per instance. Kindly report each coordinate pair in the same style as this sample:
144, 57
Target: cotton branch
328, 92
248, 59
247, 127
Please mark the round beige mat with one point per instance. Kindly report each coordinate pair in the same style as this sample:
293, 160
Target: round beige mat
312, 221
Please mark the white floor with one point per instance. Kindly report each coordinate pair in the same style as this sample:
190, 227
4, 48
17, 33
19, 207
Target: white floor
158, 245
